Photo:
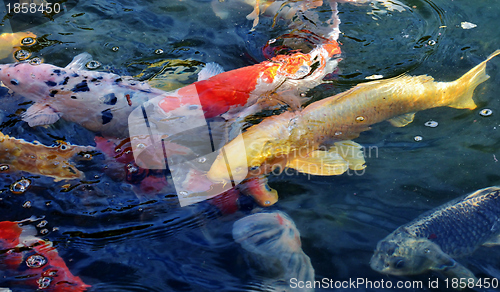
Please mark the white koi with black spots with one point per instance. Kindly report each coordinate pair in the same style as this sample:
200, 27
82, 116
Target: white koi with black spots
99, 101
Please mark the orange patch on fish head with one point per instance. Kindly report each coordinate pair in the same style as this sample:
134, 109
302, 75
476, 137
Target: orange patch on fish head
295, 66
258, 189
270, 73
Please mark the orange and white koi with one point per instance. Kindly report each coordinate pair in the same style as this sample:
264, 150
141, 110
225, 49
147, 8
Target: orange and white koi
316, 139
35, 158
34, 262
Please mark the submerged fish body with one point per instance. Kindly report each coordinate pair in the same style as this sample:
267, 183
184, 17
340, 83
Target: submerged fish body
305, 140
36, 158
430, 242
34, 262
98, 101
273, 244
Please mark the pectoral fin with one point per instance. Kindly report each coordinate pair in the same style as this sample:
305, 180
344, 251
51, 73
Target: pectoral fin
335, 161
402, 120
211, 69
40, 114
320, 162
450, 268
79, 62
352, 153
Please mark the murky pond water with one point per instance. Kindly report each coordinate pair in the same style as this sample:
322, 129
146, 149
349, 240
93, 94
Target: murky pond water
118, 237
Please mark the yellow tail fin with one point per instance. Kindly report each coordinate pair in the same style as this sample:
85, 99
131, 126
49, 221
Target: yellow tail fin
470, 81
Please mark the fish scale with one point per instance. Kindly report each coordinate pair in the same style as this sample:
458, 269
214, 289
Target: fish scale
431, 241
467, 223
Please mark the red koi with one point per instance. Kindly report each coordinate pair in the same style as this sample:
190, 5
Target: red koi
35, 261
246, 86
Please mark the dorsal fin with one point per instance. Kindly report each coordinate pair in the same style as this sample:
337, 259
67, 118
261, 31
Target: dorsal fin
79, 62
211, 69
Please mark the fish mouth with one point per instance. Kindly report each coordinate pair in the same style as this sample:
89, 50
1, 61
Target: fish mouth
377, 263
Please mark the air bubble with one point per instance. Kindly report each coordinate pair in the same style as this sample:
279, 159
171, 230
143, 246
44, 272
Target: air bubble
132, 168
115, 49
183, 193
93, 64
418, 138
27, 204
22, 55
44, 282
28, 41
44, 231
42, 224
20, 186
35, 61
431, 42
4, 167
271, 41
87, 156
360, 119
202, 160
158, 51
486, 112
431, 124
36, 261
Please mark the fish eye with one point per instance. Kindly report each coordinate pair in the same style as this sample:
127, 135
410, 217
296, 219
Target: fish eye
63, 147
399, 264
14, 82
254, 167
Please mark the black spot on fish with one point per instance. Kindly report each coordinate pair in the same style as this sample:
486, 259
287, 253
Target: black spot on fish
118, 80
110, 99
73, 97
53, 93
65, 81
58, 72
50, 83
100, 77
93, 80
74, 75
81, 87
145, 90
107, 116
14, 82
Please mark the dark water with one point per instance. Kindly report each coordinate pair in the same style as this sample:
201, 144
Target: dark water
116, 240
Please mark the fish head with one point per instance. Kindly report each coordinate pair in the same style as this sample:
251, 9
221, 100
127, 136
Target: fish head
404, 256
236, 159
33, 81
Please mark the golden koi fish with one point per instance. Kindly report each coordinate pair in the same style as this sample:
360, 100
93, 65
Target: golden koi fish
40, 159
11, 41
303, 140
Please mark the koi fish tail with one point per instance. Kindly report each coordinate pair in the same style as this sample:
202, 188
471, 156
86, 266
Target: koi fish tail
469, 81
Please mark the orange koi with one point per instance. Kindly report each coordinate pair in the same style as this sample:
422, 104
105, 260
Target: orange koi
36, 158
35, 261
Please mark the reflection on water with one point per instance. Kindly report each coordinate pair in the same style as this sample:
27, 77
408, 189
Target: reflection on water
116, 237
